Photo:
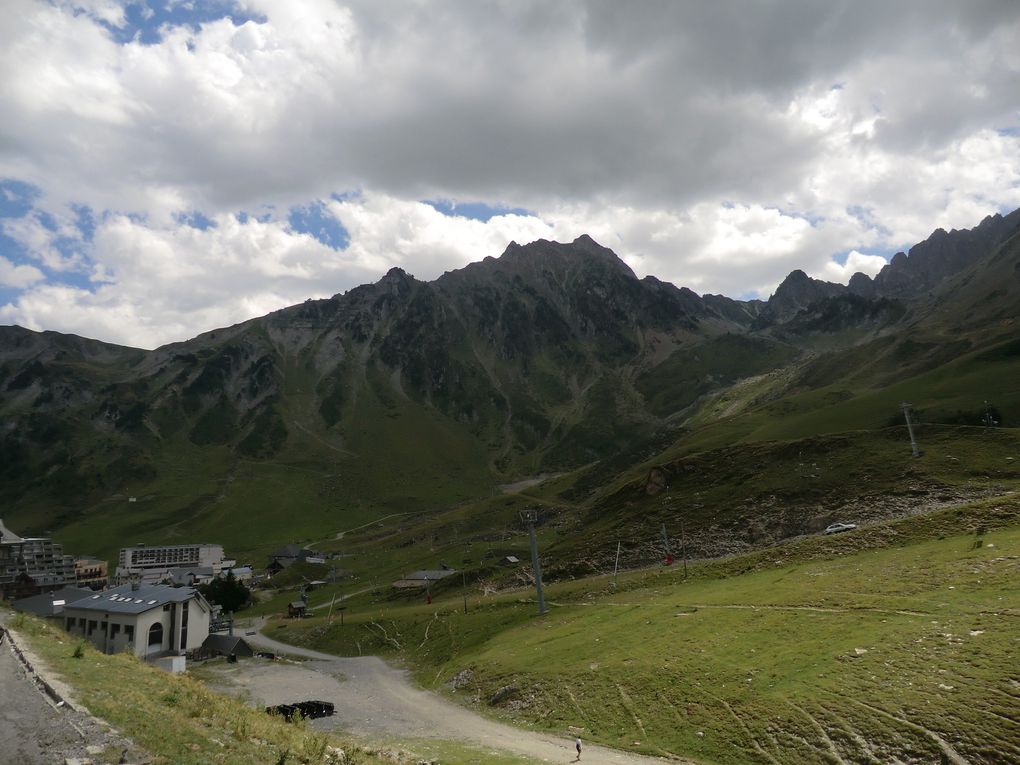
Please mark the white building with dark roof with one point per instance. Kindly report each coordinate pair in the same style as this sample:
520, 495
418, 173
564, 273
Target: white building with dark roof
149, 620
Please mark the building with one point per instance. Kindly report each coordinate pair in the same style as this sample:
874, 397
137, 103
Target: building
420, 580
152, 565
30, 565
91, 573
50, 604
227, 645
241, 573
286, 557
190, 576
152, 621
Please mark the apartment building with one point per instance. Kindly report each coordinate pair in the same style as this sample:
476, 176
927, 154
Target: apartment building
30, 565
154, 564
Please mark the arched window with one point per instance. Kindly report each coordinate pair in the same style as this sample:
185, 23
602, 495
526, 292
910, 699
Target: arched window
156, 634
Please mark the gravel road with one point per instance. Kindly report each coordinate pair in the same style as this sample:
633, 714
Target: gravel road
376, 701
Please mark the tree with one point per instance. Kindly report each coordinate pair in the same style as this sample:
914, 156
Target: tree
227, 592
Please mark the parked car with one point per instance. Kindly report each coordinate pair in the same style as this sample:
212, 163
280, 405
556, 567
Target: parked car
835, 528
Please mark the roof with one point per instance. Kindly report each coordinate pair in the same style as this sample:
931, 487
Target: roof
6, 535
50, 603
228, 644
124, 600
197, 571
298, 604
290, 551
282, 562
431, 575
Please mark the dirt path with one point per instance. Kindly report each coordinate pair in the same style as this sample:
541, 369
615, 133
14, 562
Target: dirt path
374, 700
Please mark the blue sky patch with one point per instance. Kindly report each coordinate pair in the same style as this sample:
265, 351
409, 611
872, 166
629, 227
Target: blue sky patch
195, 219
474, 210
16, 198
315, 220
145, 19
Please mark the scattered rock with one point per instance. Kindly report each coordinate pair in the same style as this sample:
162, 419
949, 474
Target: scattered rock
503, 694
461, 679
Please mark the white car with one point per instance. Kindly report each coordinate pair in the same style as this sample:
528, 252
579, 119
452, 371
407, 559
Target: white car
835, 528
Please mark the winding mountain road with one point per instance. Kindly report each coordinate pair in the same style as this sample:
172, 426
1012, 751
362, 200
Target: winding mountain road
376, 701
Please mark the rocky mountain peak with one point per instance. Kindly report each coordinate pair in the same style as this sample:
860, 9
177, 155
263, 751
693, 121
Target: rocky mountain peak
797, 291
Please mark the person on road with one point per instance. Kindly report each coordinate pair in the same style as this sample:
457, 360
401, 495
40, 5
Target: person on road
577, 746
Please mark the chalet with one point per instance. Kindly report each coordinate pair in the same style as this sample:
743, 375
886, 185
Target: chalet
296, 609
286, 557
149, 620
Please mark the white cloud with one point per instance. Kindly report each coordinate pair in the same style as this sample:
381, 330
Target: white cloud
18, 275
715, 154
163, 283
855, 262
387, 232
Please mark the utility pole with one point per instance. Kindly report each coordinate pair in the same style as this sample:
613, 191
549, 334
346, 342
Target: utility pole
915, 452
616, 568
988, 420
530, 516
683, 546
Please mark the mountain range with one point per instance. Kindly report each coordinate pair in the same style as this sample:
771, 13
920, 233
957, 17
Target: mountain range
414, 397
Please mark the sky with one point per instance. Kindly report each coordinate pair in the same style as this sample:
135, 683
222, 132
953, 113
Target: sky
169, 167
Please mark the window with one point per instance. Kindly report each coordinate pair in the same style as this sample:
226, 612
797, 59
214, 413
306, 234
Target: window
129, 632
114, 629
156, 634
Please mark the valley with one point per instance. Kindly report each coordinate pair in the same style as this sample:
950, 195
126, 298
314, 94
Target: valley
410, 426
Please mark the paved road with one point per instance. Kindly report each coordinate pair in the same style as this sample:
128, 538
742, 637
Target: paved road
35, 731
376, 701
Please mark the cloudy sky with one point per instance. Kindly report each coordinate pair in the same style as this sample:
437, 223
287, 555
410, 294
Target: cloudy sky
169, 167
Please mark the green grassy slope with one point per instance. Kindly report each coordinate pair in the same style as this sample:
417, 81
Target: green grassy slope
896, 642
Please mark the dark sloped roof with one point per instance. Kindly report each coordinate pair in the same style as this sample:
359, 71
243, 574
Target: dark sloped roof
124, 600
228, 644
45, 603
290, 551
6, 535
431, 575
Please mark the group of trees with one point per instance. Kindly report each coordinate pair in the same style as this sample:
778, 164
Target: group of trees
228, 592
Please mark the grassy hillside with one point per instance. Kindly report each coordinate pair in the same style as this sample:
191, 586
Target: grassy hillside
895, 642
176, 720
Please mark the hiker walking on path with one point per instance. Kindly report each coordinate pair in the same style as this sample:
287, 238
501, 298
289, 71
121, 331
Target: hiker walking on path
577, 746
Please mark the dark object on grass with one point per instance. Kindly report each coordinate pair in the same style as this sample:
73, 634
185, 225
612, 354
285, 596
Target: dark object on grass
308, 709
